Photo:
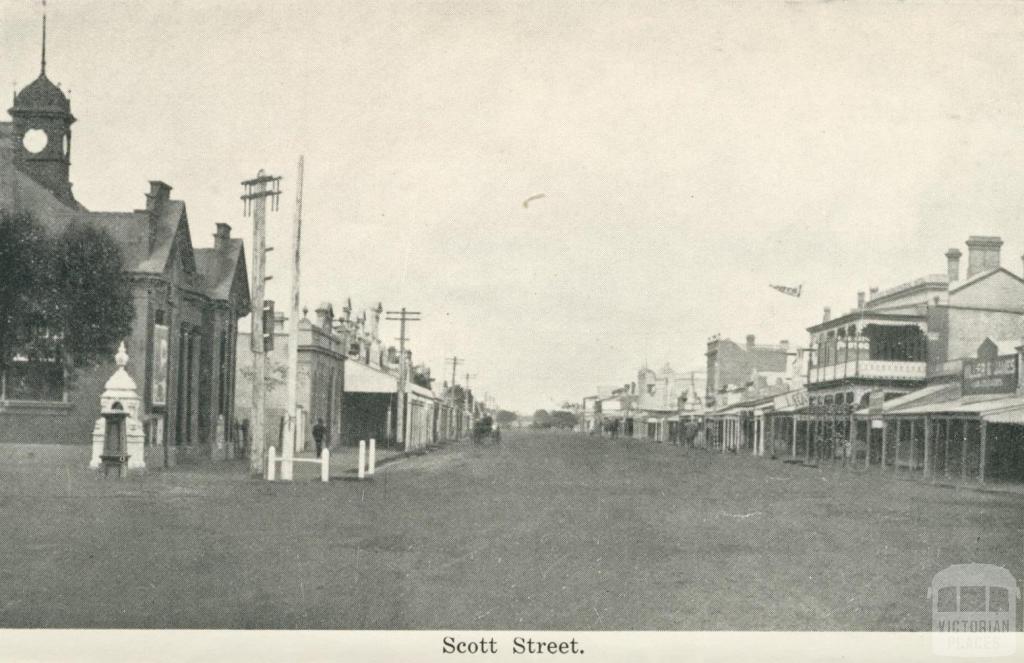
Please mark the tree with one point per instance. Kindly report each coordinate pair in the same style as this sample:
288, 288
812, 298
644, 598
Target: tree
505, 417
563, 419
62, 297
541, 419
275, 376
91, 296
24, 276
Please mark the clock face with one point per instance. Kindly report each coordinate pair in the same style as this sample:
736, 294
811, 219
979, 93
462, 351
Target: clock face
35, 140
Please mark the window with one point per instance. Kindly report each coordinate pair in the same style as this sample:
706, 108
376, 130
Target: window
946, 601
972, 599
36, 372
998, 599
34, 380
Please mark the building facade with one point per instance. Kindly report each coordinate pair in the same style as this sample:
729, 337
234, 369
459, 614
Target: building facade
898, 341
187, 302
319, 385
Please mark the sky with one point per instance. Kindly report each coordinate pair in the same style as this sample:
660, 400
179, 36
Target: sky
689, 154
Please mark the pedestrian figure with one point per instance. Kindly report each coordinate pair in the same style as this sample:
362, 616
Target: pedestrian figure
319, 433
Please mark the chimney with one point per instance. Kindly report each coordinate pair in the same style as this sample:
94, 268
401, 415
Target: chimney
222, 236
828, 314
982, 254
953, 265
860, 299
872, 292
159, 193
750, 341
324, 315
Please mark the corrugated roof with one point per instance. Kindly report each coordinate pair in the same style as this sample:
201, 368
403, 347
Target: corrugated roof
936, 393
959, 406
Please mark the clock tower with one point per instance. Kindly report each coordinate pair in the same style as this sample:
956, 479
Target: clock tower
42, 125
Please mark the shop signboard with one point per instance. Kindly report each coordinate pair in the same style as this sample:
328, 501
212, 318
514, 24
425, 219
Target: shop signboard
990, 376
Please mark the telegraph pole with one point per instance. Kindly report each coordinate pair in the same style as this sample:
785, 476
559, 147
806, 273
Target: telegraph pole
291, 425
454, 361
466, 398
402, 317
257, 190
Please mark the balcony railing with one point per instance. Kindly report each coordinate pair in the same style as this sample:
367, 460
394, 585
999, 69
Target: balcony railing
870, 368
953, 367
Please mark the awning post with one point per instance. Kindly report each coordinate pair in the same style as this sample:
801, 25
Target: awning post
983, 429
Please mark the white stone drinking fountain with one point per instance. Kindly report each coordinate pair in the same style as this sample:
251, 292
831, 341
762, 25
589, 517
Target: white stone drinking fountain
120, 406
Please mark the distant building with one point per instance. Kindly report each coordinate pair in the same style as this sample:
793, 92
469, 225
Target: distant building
320, 379
730, 365
347, 378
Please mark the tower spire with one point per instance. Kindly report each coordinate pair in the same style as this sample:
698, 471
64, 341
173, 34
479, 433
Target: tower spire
43, 67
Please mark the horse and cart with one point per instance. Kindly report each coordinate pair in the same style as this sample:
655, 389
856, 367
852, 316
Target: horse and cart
485, 429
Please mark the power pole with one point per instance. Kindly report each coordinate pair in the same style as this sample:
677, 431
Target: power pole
454, 361
402, 317
291, 425
468, 406
257, 190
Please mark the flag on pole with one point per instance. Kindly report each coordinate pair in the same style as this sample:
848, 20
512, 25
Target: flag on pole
786, 290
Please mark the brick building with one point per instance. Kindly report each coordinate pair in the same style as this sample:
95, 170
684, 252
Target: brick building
898, 339
320, 381
904, 343
187, 301
731, 365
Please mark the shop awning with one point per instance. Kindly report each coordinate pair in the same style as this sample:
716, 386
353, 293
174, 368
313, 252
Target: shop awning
936, 393
998, 409
360, 378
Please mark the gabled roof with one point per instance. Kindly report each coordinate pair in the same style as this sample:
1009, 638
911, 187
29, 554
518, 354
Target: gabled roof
168, 223
981, 276
219, 269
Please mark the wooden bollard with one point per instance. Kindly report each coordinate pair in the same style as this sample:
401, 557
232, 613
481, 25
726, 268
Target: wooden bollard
362, 459
271, 464
372, 462
325, 465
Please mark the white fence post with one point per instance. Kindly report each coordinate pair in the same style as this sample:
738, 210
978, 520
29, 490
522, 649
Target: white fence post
271, 463
372, 463
325, 464
362, 459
